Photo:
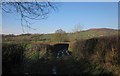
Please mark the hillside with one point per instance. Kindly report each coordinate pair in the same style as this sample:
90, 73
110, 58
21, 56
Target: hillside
96, 32
85, 34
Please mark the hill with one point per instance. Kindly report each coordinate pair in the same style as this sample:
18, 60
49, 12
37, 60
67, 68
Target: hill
95, 32
85, 34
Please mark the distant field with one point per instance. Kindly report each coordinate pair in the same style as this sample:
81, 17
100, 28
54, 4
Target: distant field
87, 34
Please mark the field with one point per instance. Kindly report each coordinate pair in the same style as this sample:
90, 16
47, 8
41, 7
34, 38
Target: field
91, 52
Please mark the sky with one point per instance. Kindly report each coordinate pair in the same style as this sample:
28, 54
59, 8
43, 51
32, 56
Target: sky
67, 16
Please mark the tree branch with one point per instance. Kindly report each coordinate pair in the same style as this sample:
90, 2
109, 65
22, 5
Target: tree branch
28, 10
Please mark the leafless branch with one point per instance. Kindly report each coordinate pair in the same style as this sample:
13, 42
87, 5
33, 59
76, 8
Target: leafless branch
28, 10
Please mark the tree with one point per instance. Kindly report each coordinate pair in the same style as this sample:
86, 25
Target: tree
60, 31
77, 28
60, 36
76, 31
29, 10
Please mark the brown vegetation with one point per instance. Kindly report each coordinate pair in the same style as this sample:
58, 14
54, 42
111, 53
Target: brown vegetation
103, 50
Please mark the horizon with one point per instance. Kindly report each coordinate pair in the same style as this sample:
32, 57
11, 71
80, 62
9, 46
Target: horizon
66, 32
70, 14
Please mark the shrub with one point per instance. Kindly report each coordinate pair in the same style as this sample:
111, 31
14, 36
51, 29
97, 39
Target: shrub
12, 55
102, 50
77, 48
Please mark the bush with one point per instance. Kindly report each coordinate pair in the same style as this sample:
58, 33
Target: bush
103, 50
12, 57
77, 48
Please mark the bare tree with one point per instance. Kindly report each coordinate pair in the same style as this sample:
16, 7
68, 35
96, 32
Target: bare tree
60, 31
60, 36
29, 10
77, 28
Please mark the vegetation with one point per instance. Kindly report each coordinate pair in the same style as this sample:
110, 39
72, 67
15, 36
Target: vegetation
103, 51
60, 36
12, 57
30, 54
65, 36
